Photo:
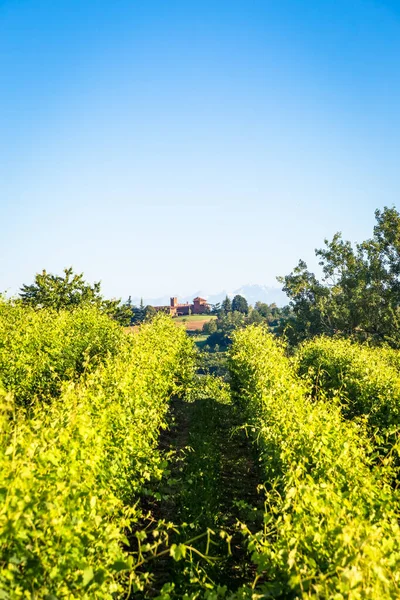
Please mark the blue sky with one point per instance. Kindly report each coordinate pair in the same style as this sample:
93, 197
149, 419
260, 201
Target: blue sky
169, 146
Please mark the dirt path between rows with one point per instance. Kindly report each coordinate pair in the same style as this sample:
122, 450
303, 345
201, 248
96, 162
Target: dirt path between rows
212, 485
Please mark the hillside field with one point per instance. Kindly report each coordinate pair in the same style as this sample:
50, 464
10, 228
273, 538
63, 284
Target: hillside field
194, 322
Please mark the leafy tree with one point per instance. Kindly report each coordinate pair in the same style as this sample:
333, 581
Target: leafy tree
218, 337
239, 304
216, 308
137, 316
55, 291
359, 292
149, 312
275, 317
122, 313
210, 327
70, 291
221, 329
138, 313
255, 317
226, 305
263, 309
226, 324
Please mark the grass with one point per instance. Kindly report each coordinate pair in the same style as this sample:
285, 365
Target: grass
190, 318
194, 322
190, 322
212, 484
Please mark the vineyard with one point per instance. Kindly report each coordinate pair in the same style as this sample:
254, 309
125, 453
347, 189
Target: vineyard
134, 466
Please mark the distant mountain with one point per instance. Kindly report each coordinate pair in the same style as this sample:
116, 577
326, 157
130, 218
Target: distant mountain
162, 301
252, 292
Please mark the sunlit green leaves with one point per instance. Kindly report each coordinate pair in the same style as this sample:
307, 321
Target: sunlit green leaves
72, 469
332, 530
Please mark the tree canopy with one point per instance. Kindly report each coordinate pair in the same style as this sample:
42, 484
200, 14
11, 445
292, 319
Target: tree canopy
226, 305
359, 291
239, 304
69, 291
55, 291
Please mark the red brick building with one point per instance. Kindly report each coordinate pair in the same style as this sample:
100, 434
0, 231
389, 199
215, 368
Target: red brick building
198, 307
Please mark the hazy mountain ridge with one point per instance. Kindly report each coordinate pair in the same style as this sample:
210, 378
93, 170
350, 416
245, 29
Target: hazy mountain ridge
252, 292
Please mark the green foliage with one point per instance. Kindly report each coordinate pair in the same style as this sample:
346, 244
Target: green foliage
208, 386
71, 472
55, 291
225, 325
275, 317
220, 331
150, 312
211, 473
331, 522
360, 378
213, 364
210, 327
255, 317
359, 293
70, 291
41, 349
226, 305
82, 404
216, 308
265, 310
141, 313
120, 312
391, 356
239, 304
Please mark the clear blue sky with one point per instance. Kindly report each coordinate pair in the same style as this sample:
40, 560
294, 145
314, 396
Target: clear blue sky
168, 146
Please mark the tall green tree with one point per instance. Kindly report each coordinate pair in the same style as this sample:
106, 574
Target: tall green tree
239, 304
216, 308
359, 291
226, 305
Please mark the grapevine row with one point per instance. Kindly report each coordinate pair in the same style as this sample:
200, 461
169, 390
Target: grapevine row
331, 525
364, 381
71, 470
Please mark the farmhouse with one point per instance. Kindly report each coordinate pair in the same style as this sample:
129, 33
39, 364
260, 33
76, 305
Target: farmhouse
198, 307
